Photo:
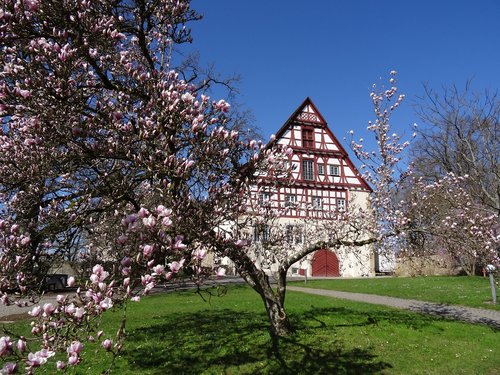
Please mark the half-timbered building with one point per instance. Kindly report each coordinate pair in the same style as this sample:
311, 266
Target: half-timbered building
324, 180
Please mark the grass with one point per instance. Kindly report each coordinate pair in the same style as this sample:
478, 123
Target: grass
456, 290
181, 334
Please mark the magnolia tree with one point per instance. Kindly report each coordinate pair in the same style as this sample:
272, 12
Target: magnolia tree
108, 157
273, 246
460, 137
444, 219
280, 245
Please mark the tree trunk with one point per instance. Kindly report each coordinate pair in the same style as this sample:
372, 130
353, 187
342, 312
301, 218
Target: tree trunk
279, 322
274, 301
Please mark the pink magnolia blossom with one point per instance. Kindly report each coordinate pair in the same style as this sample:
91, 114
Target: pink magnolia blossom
39, 358
129, 219
179, 245
143, 213
200, 254
149, 222
106, 303
98, 274
75, 347
175, 266
21, 345
73, 359
79, 312
5, 346
220, 272
158, 269
166, 222
35, 311
70, 309
107, 344
162, 211
9, 368
148, 251
48, 308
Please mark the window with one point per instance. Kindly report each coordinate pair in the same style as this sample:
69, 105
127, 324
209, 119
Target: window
261, 233
334, 170
341, 204
307, 170
293, 234
317, 203
321, 169
289, 234
264, 198
308, 138
298, 234
290, 200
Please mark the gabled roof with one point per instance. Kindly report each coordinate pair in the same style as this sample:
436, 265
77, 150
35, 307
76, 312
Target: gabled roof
308, 114
307, 107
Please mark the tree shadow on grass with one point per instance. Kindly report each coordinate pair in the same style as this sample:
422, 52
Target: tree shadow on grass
355, 318
236, 342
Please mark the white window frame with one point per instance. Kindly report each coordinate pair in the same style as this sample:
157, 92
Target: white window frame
341, 204
321, 169
264, 198
334, 170
290, 200
261, 233
308, 170
294, 234
317, 202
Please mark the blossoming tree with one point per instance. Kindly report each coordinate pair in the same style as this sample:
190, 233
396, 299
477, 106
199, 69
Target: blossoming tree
109, 155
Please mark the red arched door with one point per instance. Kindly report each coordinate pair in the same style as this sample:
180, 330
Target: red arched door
325, 263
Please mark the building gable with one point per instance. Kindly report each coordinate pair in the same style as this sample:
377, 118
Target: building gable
318, 156
325, 183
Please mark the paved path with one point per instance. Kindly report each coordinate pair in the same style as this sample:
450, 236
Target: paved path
12, 313
468, 314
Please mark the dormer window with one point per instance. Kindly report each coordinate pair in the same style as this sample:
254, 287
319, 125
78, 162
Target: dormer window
308, 138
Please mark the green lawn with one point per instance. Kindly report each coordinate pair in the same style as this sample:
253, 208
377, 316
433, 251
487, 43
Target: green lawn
458, 290
181, 334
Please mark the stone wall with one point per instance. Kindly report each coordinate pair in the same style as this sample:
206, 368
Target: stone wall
426, 266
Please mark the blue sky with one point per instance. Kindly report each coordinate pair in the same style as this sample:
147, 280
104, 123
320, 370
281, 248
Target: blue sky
333, 51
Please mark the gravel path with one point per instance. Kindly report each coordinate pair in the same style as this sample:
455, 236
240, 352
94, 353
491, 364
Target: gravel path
468, 314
